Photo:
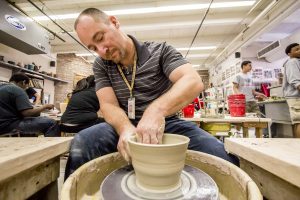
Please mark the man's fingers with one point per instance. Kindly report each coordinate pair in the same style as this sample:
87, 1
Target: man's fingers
153, 139
159, 137
139, 137
146, 139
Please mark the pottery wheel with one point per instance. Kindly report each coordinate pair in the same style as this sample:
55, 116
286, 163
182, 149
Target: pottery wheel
195, 184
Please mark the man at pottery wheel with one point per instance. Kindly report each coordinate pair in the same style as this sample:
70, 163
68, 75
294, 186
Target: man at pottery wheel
140, 86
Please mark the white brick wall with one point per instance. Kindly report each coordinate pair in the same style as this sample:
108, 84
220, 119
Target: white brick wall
67, 66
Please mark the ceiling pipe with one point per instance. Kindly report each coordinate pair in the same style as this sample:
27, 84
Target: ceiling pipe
266, 10
199, 27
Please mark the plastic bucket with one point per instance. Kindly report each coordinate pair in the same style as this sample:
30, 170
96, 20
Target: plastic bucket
237, 105
188, 111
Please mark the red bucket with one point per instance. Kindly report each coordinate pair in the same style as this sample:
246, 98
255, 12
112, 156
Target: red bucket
188, 111
237, 105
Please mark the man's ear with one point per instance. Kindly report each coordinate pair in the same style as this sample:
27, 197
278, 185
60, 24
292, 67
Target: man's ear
114, 21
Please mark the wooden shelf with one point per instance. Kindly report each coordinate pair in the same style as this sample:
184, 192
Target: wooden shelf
15, 67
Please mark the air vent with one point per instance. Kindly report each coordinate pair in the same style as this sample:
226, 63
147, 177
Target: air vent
265, 51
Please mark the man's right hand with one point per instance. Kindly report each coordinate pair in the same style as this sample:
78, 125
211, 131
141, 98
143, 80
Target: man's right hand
48, 106
123, 147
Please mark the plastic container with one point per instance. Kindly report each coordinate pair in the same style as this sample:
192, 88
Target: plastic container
188, 111
237, 105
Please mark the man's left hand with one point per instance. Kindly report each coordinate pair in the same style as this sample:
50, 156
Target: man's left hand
150, 128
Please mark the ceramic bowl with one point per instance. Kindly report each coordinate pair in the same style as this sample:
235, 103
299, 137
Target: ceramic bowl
158, 166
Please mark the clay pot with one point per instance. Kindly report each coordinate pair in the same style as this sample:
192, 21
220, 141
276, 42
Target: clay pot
158, 166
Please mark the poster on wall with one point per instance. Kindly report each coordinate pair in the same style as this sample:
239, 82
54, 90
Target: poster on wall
277, 73
232, 70
228, 73
268, 73
238, 67
257, 73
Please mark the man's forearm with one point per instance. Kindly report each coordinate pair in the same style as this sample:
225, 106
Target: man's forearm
181, 93
236, 90
116, 117
34, 112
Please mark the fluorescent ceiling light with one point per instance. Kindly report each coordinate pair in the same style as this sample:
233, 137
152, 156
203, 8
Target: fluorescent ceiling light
179, 49
86, 54
158, 9
195, 65
167, 25
196, 48
197, 55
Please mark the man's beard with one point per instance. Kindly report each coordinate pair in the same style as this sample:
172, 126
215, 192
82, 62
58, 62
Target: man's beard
119, 57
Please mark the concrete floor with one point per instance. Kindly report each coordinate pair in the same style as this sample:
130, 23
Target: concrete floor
63, 162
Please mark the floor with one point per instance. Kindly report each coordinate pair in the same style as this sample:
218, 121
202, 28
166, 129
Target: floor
63, 162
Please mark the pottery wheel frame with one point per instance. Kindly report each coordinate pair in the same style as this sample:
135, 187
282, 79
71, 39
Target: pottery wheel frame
201, 186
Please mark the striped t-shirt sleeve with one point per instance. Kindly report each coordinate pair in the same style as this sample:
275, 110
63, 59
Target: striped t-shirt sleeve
100, 73
171, 59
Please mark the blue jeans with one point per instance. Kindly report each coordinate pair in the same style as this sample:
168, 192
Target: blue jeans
33, 125
102, 139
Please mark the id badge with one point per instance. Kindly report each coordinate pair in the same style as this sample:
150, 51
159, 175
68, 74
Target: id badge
131, 108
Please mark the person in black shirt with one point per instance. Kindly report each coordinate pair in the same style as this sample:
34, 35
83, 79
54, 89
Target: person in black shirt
32, 94
83, 108
18, 115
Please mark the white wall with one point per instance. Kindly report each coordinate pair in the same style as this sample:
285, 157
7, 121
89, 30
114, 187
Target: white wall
49, 90
231, 64
5, 74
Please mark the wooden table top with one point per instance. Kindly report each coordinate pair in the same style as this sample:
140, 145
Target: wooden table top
229, 119
22, 153
279, 156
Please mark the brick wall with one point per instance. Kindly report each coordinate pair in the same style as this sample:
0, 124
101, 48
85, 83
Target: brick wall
68, 65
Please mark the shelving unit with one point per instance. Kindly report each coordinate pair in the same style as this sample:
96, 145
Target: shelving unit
15, 67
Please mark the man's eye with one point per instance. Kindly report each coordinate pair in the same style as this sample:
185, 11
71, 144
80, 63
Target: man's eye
99, 39
93, 48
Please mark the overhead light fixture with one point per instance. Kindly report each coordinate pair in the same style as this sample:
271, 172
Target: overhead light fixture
167, 25
198, 56
86, 54
195, 66
158, 9
196, 48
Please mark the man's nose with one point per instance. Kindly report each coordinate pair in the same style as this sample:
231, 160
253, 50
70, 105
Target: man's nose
101, 50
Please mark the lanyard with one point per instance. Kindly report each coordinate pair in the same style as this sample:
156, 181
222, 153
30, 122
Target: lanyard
130, 87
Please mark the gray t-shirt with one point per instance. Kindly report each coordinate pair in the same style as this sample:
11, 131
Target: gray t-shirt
13, 100
291, 78
155, 63
246, 85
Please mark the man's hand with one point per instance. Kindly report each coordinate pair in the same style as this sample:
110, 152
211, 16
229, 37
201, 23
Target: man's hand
48, 106
150, 128
123, 147
261, 95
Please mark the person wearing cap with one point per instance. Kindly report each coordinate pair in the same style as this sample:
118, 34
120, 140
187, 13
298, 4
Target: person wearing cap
17, 113
243, 84
140, 87
291, 85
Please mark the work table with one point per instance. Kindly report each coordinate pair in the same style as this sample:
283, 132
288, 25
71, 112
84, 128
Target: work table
273, 163
28, 165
